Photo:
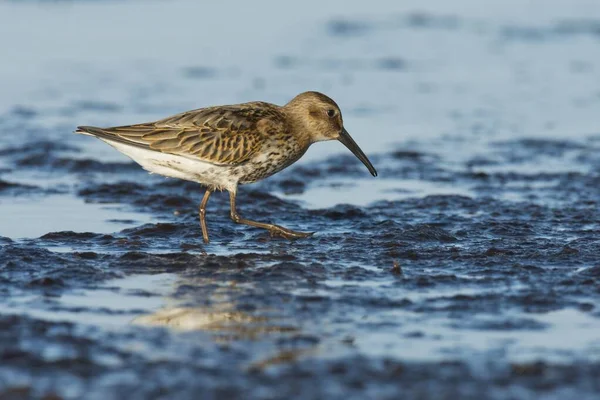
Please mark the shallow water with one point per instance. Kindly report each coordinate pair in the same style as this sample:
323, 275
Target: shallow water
467, 269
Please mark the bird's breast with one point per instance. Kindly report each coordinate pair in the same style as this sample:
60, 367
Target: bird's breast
270, 160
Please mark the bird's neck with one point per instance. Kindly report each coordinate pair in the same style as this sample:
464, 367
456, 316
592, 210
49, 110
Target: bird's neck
302, 128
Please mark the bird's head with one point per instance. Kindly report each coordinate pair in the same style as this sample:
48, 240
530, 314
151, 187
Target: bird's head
322, 119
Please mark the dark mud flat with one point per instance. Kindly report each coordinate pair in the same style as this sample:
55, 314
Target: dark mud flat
468, 269
441, 296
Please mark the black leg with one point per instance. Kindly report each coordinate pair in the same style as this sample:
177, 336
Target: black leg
275, 230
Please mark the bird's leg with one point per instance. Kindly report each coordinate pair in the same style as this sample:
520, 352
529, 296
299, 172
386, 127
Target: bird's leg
202, 213
274, 230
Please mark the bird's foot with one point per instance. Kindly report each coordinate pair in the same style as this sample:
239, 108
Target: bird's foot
289, 234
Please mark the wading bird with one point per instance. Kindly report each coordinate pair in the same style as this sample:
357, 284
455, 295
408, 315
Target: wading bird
222, 147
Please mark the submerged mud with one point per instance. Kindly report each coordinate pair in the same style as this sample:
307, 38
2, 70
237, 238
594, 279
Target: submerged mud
440, 296
467, 269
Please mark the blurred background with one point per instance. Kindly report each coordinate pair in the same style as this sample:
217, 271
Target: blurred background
405, 73
481, 117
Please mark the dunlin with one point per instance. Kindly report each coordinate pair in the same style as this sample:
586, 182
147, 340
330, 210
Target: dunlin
225, 146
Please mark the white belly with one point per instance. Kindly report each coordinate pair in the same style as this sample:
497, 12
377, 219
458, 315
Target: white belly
180, 167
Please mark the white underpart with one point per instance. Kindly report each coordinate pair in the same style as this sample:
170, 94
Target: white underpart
180, 167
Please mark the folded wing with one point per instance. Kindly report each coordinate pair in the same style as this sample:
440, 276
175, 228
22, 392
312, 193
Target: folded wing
225, 135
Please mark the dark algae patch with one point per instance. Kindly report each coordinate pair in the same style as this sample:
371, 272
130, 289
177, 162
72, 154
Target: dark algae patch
468, 269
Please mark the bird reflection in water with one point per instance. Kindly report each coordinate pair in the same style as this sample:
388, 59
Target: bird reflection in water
226, 324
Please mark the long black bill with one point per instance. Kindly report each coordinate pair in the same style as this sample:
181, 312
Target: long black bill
347, 141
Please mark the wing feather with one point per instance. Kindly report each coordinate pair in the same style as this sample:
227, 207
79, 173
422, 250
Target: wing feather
226, 135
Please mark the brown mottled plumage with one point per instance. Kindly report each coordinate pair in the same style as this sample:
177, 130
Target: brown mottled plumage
224, 146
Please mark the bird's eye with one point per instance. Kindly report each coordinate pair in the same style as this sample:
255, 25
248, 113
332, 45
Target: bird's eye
331, 113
